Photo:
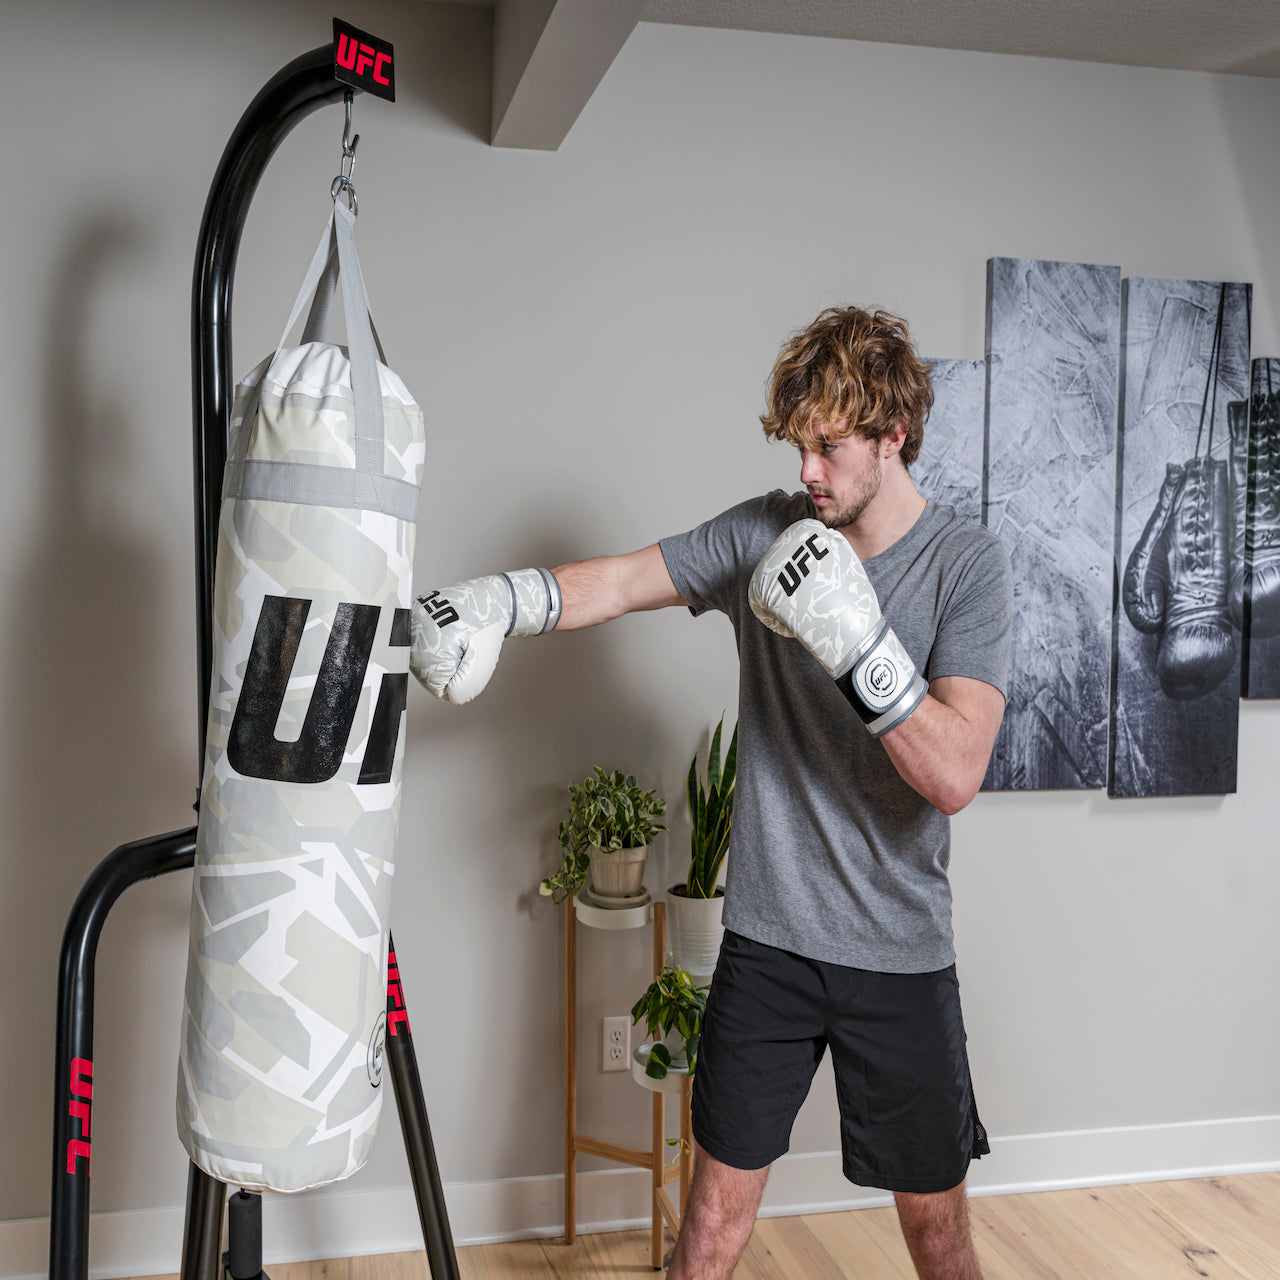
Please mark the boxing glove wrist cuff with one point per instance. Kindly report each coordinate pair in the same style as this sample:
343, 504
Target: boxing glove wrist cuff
882, 684
535, 601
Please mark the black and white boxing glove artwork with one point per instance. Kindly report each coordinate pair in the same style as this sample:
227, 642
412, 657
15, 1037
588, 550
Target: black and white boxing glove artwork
1178, 579
812, 587
1263, 546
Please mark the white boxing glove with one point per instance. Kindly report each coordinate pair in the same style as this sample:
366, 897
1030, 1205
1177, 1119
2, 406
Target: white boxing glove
458, 632
810, 586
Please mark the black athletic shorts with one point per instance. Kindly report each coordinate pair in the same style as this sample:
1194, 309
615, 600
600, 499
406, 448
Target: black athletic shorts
908, 1121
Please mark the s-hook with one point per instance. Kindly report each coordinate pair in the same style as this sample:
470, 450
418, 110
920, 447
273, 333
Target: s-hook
349, 142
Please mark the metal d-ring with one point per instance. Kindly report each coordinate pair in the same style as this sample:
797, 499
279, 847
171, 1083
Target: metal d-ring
341, 184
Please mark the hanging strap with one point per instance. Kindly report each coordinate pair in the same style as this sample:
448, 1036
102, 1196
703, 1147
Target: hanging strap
1211, 378
317, 322
364, 487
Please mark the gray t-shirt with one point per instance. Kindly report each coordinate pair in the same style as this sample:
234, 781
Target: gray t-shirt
832, 855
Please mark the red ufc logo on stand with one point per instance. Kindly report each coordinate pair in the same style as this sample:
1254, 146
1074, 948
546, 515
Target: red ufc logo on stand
396, 1012
81, 1087
363, 61
360, 57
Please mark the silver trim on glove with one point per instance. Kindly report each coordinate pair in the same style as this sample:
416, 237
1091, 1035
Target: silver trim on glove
882, 683
535, 601
555, 601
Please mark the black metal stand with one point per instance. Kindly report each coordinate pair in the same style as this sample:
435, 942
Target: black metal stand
297, 90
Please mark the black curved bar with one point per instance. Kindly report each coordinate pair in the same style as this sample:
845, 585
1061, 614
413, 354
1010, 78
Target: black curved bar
73, 1093
297, 90
427, 1187
292, 94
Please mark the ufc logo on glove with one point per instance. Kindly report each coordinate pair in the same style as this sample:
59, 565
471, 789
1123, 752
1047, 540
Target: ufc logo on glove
797, 566
442, 613
817, 592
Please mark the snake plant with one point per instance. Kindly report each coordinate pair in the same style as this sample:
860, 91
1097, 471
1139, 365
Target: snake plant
711, 815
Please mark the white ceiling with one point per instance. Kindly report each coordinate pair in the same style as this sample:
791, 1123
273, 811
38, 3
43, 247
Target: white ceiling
1197, 35
549, 55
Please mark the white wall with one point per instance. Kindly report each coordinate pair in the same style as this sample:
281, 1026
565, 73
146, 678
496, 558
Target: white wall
589, 332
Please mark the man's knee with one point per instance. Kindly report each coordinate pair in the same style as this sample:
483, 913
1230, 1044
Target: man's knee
938, 1215
939, 1237
721, 1211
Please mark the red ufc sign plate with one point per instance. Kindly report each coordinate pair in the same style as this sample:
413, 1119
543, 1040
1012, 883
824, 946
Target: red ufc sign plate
363, 61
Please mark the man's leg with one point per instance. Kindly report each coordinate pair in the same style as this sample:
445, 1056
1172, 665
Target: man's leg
938, 1234
718, 1220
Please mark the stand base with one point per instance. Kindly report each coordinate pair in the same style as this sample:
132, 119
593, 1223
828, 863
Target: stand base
226, 1271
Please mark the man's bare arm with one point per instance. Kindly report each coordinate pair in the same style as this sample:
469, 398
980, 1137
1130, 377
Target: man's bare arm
943, 747
598, 590
456, 633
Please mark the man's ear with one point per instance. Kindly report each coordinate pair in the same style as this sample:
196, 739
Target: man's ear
892, 444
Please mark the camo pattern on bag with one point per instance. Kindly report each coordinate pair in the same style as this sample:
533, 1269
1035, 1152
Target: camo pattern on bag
281, 1061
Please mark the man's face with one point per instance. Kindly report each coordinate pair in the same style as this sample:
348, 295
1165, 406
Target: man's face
842, 476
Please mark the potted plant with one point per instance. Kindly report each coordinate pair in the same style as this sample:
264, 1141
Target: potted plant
672, 1004
694, 908
606, 836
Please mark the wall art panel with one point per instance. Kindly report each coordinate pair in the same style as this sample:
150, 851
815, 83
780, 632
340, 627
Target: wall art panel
1260, 615
1180, 507
949, 468
1052, 351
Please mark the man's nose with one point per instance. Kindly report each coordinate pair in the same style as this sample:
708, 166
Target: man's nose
810, 467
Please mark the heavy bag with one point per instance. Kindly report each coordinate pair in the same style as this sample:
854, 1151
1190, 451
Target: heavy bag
281, 1060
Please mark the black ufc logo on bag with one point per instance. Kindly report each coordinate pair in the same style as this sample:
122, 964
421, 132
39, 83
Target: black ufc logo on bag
254, 750
438, 608
798, 565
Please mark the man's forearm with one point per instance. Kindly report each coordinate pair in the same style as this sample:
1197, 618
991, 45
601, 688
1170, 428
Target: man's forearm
942, 748
598, 590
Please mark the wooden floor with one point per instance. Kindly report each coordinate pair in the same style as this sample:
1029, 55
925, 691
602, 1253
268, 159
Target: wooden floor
1218, 1228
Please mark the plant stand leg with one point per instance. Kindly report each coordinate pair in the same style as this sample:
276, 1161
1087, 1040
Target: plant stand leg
659, 1132
686, 1143
659, 1099
570, 1070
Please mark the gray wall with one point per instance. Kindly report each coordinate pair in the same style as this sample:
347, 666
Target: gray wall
589, 333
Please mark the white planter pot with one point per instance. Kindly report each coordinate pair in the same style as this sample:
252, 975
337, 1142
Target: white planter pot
671, 1082
618, 875
694, 932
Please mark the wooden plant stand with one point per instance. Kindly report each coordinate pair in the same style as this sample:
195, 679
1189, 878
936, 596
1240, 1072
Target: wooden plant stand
663, 1207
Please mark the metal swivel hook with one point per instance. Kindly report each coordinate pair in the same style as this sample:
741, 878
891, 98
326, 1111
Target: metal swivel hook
349, 143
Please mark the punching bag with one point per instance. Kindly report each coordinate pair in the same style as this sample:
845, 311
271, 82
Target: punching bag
280, 1071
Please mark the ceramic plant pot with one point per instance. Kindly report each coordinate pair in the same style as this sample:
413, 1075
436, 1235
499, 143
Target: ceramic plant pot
617, 876
694, 932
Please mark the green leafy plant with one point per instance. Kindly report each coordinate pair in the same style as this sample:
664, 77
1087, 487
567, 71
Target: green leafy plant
671, 1001
607, 811
711, 813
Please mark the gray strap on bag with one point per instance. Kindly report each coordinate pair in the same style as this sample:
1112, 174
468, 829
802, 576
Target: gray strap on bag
317, 324
365, 487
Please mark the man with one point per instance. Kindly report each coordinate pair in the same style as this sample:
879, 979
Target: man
845, 599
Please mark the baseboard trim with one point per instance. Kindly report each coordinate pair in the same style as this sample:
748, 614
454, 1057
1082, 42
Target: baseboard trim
352, 1223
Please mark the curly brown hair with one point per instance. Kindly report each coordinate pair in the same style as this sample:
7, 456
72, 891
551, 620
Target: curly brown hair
852, 365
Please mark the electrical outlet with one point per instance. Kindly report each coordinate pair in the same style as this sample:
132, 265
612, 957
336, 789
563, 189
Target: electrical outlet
616, 1037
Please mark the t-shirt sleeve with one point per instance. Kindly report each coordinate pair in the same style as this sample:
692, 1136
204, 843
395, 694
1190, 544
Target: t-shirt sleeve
974, 632
706, 564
